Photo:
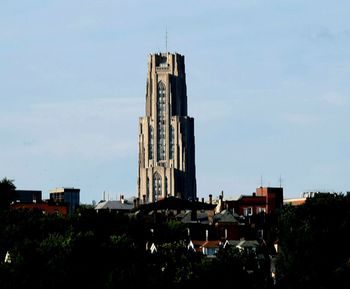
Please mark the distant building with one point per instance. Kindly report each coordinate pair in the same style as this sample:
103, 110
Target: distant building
227, 225
208, 248
45, 207
32, 200
265, 199
304, 196
249, 246
68, 196
166, 133
294, 201
28, 196
274, 198
122, 205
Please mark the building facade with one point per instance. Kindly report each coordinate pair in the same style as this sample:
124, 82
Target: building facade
265, 199
28, 196
68, 196
166, 133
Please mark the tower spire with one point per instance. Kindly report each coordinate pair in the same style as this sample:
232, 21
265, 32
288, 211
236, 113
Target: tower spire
166, 38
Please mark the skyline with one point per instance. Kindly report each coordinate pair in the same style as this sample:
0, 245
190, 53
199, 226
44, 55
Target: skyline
266, 82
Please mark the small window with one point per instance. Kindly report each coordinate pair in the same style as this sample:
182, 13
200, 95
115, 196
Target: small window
248, 211
260, 210
150, 143
161, 104
157, 186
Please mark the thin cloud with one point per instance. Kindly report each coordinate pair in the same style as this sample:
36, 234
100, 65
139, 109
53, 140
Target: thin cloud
334, 98
90, 129
301, 118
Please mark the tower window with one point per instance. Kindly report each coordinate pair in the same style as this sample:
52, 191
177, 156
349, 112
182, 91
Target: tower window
172, 142
161, 122
147, 189
166, 186
157, 186
150, 143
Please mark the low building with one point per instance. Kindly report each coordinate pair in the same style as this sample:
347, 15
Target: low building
274, 198
28, 196
208, 248
304, 196
248, 246
227, 225
294, 201
68, 196
45, 207
265, 199
32, 200
122, 206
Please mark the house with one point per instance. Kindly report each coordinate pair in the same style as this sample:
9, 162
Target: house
32, 200
7, 258
208, 248
67, 196
249, 246
294, 201
227, 225
45, 207
122, 205
175, 204
152, 248
264, 200
28, 196
255, 255
202, 217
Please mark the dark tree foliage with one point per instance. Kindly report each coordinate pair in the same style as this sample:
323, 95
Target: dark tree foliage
7, 193
314, 241
107, 250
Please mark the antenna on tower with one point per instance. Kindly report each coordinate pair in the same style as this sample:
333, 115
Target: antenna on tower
261, 181
280, 181
166, 38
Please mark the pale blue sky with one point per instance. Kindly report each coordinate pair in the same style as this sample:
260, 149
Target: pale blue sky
268, 86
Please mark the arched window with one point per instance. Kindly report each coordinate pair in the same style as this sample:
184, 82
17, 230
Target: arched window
157, 186
161, 122
166, 186
147, 190
172, 142
150, 143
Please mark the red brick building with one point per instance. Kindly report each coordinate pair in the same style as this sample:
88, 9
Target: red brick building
45, 207
274, 198
265, 199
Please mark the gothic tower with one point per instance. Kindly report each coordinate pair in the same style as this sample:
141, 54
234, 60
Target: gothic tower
166, 138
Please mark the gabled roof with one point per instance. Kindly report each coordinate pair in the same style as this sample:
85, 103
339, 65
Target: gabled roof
153, 248
225, 216
202, 217
173, 203
250, 200
241, 244
206, 244
114, 205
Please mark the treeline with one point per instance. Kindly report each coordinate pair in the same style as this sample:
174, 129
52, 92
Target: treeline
94, 250
108, 250
314, 241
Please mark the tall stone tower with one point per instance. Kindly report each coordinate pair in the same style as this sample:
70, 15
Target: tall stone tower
166, 138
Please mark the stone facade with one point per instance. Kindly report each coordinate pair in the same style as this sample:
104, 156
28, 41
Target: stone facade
166, 138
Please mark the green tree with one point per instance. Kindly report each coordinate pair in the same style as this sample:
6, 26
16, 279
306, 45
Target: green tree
7, 193
314, 238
